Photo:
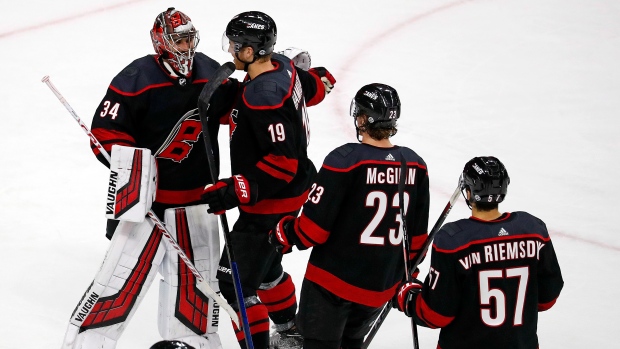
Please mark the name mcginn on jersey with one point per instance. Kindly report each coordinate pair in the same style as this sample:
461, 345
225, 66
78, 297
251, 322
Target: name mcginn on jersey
390, 175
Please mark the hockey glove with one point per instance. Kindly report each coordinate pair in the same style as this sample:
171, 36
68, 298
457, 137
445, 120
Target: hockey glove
327, 78
405, 295
226, 194
301, 58
278, 237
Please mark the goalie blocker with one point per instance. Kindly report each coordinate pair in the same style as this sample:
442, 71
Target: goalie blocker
132, 184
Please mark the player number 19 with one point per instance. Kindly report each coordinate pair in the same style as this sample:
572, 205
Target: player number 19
277, 132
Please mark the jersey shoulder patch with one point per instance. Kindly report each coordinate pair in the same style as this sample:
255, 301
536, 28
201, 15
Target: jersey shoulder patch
204, 66
139, 76
269, 90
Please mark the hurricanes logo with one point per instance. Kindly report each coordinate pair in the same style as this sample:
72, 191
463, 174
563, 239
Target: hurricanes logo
232, 124
181, 139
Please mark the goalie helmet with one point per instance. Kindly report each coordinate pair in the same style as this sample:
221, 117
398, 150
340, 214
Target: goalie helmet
175, 39
379, 102
171, 345
254, 29
486, 178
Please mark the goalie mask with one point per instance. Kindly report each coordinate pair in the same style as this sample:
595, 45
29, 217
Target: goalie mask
175, 39
487, 180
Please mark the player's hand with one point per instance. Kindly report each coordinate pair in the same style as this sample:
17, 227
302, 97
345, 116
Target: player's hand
278, 237
301, 58
326, 77
227, 193
405, 295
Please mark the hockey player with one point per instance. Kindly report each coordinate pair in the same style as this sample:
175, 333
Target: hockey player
271, 171
352, 219
490, 274
152, 104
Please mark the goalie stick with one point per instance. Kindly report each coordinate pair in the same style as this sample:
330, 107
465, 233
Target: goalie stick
387, 307
221, 74
201, 283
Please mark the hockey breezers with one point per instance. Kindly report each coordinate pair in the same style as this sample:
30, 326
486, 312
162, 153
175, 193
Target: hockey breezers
221, 74
201, 284
387, 307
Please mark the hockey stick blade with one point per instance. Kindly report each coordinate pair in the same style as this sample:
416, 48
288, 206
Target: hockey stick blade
201, 284
222, 73
387, 307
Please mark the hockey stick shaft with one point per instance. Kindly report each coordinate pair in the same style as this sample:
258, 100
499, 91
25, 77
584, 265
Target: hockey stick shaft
221, 74
386, 308
201, 283
406, 244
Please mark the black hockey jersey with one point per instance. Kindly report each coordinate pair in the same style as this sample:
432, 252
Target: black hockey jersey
352, 218
145, 107
487, 282
269, 135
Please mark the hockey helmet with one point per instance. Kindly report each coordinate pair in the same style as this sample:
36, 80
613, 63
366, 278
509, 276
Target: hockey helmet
254, 29
486, 178
175, 39
171, 345
379, 102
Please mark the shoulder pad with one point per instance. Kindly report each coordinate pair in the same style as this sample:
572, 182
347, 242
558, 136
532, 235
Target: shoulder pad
343, 157
204, 66
271, 89
140, 75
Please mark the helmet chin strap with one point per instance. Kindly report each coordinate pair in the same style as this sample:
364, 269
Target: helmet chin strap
246, 65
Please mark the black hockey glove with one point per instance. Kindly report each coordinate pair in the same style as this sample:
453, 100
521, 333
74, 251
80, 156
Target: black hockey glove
278, 237
405, 298
226, 194
327, 78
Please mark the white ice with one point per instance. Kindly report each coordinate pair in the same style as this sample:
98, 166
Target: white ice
533, 82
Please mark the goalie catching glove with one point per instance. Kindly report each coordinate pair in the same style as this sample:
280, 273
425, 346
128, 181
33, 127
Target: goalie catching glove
406, 294
301, 58
228, 193
326, 77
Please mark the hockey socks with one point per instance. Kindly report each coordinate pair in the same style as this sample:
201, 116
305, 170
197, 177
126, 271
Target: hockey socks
280, 300
259, 327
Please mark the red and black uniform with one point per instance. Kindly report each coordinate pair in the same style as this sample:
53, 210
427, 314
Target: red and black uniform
269, 135
352, 219
146, 107
487, 282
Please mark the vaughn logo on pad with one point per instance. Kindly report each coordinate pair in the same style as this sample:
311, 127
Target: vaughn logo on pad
132, 184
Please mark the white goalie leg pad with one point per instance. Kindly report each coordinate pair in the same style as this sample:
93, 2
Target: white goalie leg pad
132, 184
127, 271
184, 311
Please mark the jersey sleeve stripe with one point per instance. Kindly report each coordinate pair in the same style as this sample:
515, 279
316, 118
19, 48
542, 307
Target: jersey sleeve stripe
429, 316
180, 197
320, 92
108, 138
279, 168
309, 233
347, 291
546, 306
276, 206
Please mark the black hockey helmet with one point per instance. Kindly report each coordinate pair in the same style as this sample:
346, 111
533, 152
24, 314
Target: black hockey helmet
254, 29
486, 178
171, 345
379, 102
